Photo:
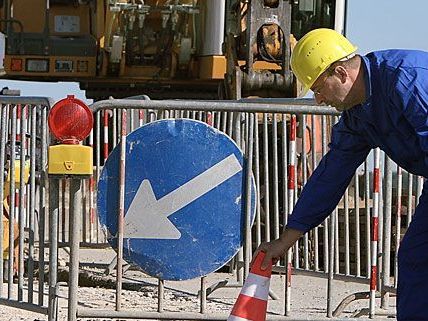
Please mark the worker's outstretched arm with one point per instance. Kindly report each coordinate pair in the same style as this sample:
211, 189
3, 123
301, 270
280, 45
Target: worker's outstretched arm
276, 249
348, 149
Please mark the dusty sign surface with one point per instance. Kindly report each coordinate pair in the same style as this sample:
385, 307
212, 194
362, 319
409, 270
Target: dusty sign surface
184, 198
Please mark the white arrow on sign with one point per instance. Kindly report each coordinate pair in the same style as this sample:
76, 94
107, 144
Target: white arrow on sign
147, 217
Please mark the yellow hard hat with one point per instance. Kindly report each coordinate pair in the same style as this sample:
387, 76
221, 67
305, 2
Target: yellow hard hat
315, 52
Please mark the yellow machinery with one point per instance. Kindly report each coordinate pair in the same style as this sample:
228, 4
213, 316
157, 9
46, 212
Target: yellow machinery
199, 49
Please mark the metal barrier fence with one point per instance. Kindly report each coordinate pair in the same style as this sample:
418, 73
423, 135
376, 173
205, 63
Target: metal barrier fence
283, 141
23, 195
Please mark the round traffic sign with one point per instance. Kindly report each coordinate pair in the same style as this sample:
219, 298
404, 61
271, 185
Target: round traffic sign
184, 198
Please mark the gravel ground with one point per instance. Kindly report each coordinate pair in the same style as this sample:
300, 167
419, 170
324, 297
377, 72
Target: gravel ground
308, 296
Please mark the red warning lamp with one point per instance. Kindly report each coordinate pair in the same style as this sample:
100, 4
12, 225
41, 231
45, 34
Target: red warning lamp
70, 120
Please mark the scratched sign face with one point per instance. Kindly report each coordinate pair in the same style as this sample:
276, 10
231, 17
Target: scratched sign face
185, 199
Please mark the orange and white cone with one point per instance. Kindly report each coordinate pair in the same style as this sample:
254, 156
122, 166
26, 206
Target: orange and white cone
251, 304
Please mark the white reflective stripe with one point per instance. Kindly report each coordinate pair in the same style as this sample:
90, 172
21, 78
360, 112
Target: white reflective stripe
256, 286
235, 318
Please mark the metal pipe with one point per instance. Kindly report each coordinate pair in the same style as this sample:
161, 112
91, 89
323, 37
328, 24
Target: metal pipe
12, 189
291, 195
257, 178
305, 179
22, 199
325, 229
266, 177
75, 217
161, 295
347, 244
386, 253
375, 231
203, 297
32, 208
290, 106
398, 222
275, 178
28, 100
3, 139
367, 207
357, 225
313, 146
248, 192
53, 248
331, 263
213, 33
98, 313
339, 16
42, 200
121, 212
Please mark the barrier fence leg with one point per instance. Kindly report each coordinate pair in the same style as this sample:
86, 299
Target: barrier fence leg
75, 214
53, 248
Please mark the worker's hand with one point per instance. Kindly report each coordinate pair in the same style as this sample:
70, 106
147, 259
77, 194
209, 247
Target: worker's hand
273, 251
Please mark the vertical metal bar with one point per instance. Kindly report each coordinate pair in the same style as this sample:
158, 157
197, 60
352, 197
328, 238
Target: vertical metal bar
304, 158
106, 138
336, 242
53, 248
224, 121
367, 207
257, 178
85, 212
419, 187
42, 200
121, 214
325, 229
141, 121
98, 145
161, 295
386, 265
203, 295
3, 139
266, 176
357, 225
131, 120
22, 201
291, 196
380, 226
409, 199
92, 181
275, 175
375, 231
398, 222
331, 263
32, 208
75, 216
347, 243
63, 213
336, 226
284, 166
313, 147
236, 135
12, 189
248, 192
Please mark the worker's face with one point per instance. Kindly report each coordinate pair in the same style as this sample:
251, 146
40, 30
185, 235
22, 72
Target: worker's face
332, 88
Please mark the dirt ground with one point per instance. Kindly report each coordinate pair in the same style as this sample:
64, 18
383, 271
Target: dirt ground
308, 295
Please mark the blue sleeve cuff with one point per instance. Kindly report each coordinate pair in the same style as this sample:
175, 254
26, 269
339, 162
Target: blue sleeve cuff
298, 226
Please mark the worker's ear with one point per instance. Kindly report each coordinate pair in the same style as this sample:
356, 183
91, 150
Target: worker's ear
341, 72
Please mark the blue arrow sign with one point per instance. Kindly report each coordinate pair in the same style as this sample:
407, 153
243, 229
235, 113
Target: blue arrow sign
184, 199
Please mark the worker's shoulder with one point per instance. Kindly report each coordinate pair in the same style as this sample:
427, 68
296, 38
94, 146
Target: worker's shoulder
398, 58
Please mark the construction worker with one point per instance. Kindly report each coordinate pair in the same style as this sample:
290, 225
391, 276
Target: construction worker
383, 97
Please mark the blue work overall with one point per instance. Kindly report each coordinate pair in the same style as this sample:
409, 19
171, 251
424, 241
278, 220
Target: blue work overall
394, 118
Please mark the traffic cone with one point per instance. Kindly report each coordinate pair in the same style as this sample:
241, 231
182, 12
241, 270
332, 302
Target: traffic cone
252, 302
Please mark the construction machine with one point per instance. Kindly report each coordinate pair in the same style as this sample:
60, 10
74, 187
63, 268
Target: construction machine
196, 49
